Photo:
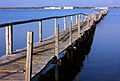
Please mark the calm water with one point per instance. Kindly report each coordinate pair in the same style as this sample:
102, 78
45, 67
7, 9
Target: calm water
103, 62
20, 31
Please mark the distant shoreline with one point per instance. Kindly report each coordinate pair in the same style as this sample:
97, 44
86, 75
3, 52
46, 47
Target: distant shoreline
15, 8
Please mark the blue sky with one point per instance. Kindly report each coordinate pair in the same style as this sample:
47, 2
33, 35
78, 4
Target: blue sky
38, 3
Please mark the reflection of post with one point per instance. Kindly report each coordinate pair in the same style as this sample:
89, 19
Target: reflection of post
56, 49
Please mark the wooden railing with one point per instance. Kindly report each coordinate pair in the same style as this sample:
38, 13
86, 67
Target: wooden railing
9, 36
9, 28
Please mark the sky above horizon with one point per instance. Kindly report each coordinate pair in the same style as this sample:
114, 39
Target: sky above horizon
79, 3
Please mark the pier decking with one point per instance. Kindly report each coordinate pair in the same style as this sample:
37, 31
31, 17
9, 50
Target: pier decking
13, 66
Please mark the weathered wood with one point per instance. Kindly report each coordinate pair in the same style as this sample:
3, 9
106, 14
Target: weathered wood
28, 72
40, 31
36, 20
78, 27
70, 31
57, 41
55, 26
9, 40
65, 23
76, 19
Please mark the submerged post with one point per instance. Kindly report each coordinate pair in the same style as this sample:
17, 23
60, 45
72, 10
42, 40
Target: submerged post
40, 31
28, 72
9, 40
70, 31
65, 23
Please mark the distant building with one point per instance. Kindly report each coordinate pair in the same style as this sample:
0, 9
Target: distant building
101, 7
68, 7
52, 7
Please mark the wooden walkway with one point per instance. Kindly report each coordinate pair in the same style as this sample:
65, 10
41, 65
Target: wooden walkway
13, 67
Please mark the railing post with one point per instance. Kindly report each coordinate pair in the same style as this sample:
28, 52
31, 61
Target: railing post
40, 31
9, 40
70, 31
76, 19
28, 72
56, 50
65, 23
55, 26
57, 41
78, 27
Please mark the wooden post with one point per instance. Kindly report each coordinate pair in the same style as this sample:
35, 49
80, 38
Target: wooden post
56, 50
70, 31
9, 40
76, 19
55, 26
78, 27
28, 72
57, 41
65, 23
40, 31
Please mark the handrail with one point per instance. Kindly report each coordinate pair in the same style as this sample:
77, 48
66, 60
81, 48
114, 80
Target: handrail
35, 20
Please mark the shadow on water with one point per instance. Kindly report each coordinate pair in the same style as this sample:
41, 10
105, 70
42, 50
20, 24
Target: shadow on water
71, 60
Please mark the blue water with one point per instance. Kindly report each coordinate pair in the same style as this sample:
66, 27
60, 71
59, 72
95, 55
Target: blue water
103, 62
20, 31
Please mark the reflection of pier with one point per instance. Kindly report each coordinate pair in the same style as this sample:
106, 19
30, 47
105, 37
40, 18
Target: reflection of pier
33, 61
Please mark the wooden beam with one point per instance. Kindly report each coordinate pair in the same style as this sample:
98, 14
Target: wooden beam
28, 72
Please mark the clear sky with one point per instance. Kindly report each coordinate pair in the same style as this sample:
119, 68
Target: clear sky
39, 3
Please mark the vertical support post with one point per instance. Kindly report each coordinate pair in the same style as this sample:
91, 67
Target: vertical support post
57, 41
28, 72
65, 23
9, 40
78, 27
40, 31
76, 19
56, 50
55, 26
70, 31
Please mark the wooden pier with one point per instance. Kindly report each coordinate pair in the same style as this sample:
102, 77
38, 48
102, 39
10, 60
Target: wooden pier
25, 64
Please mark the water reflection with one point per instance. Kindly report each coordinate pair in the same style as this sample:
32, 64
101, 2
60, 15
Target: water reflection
71, 63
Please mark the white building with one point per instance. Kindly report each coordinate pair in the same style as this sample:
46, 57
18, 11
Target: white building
52, 7
101, 7
68, 7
